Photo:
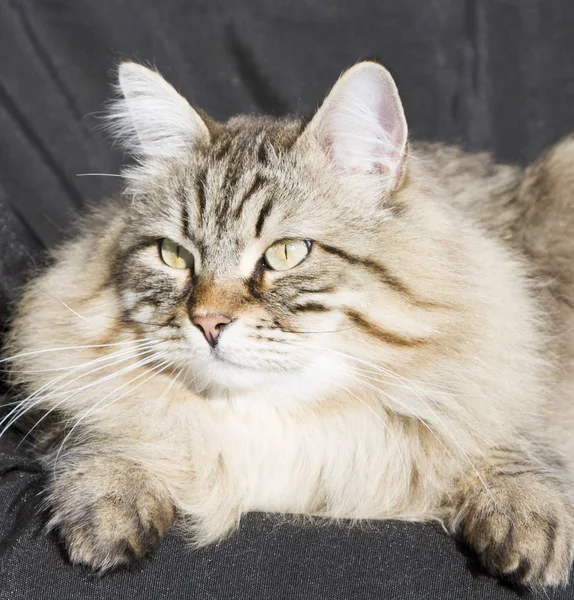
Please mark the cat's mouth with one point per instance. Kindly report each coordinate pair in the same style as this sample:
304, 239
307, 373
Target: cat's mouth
225, 360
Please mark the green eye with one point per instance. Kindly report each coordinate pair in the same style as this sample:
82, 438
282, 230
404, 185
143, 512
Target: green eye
287, 254
175, 256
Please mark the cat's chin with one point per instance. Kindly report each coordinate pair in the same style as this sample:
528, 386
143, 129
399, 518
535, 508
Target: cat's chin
225, 362
223, 378
224, 375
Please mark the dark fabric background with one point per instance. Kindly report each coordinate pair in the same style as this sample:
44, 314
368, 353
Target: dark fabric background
495, 75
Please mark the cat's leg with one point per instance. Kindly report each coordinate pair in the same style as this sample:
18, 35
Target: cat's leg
109, 511
515, 515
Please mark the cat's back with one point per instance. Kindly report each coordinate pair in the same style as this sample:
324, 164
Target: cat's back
531, 212
529, 209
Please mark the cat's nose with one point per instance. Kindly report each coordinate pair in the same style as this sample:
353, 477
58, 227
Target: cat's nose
211, 327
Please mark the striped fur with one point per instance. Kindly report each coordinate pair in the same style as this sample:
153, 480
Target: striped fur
414, 366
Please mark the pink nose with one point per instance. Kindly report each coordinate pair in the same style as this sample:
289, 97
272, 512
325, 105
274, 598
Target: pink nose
211, 327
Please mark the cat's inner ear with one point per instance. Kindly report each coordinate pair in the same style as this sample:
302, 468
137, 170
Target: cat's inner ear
361, 124
152, 119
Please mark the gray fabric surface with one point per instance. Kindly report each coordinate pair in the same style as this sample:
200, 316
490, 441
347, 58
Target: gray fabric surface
269, 558
495, 75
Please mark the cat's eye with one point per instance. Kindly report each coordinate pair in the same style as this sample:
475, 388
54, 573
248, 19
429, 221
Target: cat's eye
286, 254
174, 255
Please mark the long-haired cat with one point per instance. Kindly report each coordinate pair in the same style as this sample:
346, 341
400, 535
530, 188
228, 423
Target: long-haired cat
315, 318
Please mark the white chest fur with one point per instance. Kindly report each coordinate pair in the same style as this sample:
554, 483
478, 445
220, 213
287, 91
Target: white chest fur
352, 463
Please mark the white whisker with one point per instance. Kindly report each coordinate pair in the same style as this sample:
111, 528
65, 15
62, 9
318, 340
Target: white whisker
388, 430
63, 348
81, 365
67, 398
171, 384
98, 175
421, 399
165, 365
433, 433
26, 405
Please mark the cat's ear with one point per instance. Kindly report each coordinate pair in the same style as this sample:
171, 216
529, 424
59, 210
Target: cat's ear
152, 119
361, 124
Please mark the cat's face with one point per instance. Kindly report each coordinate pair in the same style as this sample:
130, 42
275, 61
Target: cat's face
253, 297
250, 249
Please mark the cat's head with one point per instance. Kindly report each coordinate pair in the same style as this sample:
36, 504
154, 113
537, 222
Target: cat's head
275, 254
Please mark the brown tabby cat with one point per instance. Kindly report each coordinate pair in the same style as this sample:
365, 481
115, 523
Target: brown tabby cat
310, 318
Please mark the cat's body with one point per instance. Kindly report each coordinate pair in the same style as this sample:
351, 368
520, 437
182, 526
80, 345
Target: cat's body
417, 364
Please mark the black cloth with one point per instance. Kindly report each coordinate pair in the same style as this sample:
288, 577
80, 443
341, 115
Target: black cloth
494, 75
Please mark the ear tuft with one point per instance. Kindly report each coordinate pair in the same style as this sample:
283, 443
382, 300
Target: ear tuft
361, 124
152, 119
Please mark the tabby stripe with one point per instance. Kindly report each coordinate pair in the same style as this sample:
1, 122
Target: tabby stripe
134, 249
382, 273
310, 307
232, 176
265, 211
172, 322
222, 208
187, 290
383, 335
222, 149
254, 283
184, 218
256, 185
262, 155
200, 195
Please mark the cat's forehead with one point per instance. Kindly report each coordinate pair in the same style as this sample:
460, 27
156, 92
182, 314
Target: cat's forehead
234, 198
243, 182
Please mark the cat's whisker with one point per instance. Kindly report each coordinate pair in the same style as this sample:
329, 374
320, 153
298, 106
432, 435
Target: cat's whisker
387, 428
82, 365
66, 348
94, 314
444, 427
380, 368
379, 418
434, 434
165, 365
410, 388
99, 175
369, 374
382, 371
115, 357
404, 384
196, 375
67, 398
427, 406
414, 387
67, 306
304, 332
171, 384
27, 405
116, 374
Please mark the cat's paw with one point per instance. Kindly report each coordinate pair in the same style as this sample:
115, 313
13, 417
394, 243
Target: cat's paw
110, 533
523, 533
105, 525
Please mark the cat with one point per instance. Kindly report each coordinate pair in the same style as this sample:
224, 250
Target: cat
317, 317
